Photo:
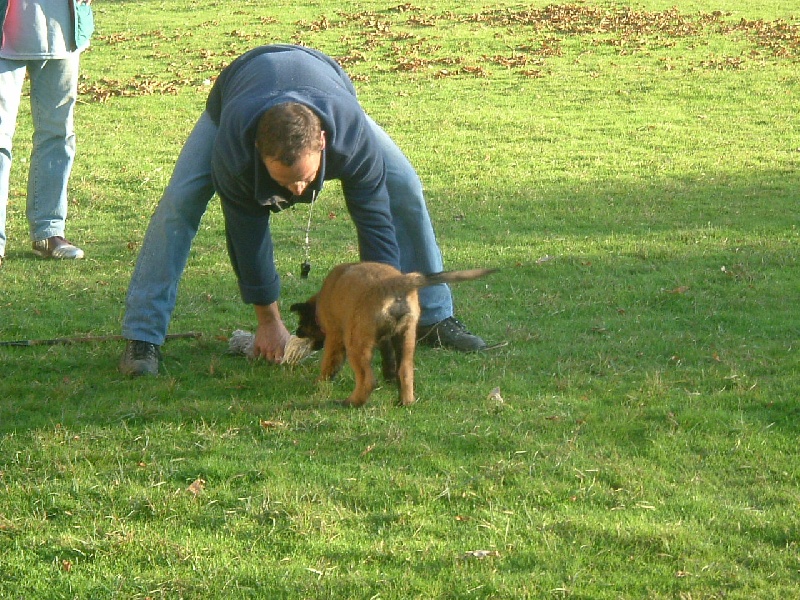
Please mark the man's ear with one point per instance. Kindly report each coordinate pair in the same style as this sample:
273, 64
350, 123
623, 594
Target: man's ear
322, 136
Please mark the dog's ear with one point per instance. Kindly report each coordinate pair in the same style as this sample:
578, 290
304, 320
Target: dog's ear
304, 308
307, 326
306, 315
299, 307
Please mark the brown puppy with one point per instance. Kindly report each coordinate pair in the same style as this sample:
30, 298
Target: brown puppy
364, 305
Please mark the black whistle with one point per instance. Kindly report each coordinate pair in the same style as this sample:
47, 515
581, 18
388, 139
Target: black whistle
305, 269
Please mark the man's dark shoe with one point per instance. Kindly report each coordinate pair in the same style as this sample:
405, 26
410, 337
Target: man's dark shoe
450, 333
57, 247
139, 358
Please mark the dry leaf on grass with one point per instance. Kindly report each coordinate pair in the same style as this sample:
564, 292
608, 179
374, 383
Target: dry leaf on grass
368, 449
681, 289
197, 486
479, 554
495, 396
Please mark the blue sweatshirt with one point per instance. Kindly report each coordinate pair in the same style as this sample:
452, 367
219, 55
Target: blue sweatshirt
249, 86
44, 29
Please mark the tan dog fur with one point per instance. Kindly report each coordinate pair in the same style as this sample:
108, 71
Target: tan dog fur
364, 305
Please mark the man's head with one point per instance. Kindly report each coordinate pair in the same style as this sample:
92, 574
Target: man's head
290, 141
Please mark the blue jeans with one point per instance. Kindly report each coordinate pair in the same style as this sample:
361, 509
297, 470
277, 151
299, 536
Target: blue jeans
54, 90
153, 287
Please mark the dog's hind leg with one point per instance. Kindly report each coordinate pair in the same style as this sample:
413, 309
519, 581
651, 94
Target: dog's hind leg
405, 345
388, 359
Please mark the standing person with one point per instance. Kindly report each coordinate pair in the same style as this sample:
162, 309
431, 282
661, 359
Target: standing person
43, 38
279, 122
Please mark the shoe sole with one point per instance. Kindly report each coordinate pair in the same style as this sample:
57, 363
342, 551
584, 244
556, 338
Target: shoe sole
135, 368
137, 371
44, 254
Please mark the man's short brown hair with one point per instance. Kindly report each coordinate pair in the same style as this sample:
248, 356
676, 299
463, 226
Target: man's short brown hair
288, 131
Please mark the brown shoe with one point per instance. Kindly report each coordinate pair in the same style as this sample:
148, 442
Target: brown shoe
56, 247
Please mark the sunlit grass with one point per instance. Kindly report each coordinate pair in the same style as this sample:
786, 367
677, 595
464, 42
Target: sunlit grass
635, 437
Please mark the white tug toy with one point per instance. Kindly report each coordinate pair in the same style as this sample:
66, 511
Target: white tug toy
296, 349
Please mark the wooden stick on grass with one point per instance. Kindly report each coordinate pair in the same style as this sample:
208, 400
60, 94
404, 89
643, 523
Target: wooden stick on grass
88, 339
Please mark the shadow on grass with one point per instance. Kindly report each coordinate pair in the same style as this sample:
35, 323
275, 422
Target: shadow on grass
611, 282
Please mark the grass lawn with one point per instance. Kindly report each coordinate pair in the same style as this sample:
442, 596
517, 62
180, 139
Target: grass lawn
633, 171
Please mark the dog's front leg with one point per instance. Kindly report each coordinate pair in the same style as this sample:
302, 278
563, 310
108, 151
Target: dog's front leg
332, 357
360, 358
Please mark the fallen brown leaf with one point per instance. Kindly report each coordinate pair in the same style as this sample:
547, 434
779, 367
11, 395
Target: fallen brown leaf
196, 487
681, 289
368, 449
480, 554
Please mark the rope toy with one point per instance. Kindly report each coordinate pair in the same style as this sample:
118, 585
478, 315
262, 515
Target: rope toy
296, 348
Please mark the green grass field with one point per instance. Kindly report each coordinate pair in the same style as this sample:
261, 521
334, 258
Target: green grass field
631, 169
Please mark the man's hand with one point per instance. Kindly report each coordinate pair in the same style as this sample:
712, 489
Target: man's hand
271, 335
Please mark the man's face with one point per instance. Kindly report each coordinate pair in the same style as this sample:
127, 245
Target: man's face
301, 174
297, 177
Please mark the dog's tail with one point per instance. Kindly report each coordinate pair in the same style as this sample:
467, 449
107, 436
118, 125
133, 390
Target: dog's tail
412, 281
456, 276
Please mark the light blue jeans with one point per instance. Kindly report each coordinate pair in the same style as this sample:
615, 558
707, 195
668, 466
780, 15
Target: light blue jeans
54, 90
153, 287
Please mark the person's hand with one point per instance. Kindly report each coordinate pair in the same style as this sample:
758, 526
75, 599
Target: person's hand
271, 334
270, 341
